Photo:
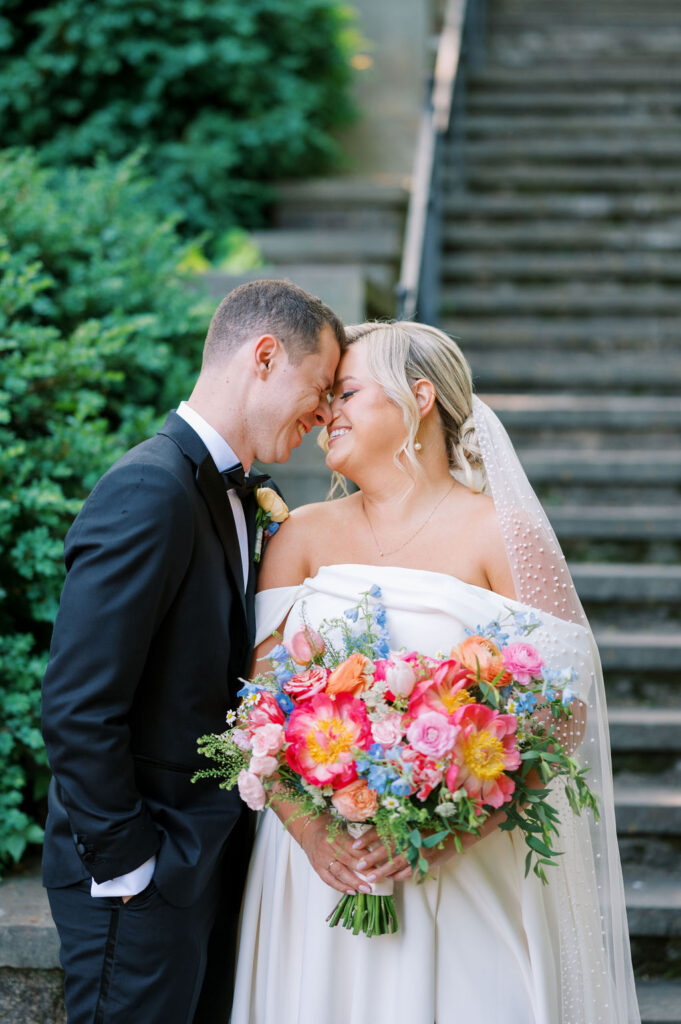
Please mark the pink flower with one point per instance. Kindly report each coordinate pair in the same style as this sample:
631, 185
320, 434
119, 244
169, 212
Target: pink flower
400, 677
485, 749
355, 802
445, 692
305, 684
241, 738
388, 731
251, 790
380, 666
324, 735
304, 645
432, 734
267, 739
265, 711
523, 661
426, 774
263, 765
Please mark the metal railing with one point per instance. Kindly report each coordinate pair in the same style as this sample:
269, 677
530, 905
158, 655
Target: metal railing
461, 43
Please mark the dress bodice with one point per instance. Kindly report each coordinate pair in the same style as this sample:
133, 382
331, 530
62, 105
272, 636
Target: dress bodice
426, 611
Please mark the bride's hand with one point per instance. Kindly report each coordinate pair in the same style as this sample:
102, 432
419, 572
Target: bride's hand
335, 862
376, 865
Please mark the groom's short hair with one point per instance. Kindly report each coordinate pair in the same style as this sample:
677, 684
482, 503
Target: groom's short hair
279, 308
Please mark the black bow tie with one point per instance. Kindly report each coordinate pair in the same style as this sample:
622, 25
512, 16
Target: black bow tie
236, 480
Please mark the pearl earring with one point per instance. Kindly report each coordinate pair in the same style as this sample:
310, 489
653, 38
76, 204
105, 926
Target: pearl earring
418, 446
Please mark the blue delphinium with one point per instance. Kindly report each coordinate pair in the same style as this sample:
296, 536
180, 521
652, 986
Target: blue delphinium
284, 702
401, 787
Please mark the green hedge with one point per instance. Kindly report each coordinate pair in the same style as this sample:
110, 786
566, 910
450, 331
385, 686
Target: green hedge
226, 95
98, 338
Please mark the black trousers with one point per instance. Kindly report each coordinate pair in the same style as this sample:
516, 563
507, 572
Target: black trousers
145, 961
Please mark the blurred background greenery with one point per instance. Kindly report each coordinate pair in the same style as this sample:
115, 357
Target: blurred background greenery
141, 139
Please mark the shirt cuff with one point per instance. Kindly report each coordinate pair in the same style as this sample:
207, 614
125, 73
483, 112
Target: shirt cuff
126, 885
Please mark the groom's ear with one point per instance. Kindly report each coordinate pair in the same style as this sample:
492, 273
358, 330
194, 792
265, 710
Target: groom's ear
265, 351
425, 396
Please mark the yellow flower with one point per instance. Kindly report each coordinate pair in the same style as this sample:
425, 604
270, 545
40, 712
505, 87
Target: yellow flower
272, 504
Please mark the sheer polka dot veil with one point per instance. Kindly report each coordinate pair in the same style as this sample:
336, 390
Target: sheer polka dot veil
596, 975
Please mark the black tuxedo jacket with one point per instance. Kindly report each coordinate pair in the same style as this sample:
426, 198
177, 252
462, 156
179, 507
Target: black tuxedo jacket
153, 631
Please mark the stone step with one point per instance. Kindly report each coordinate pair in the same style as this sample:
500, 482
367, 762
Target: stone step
504, 100
659, 1001
589, 206
334, 246
565, 371
639, 652
622, 583
605, 522
592, 150
645, 729
526, 177
644, 467
586, 332
625, 75
645, 809
555, 300
663, 237
653, 903
617, 125
636, 268
606, 413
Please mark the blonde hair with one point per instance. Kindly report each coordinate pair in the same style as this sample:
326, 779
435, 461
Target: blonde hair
403, 352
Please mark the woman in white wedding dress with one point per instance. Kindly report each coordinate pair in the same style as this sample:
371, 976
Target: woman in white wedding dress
446, 524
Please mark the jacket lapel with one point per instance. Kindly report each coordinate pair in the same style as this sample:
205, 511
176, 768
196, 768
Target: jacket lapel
212, 487
250, 510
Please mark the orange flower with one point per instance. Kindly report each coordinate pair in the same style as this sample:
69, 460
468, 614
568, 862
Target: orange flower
351, 676
355, 802
478, 654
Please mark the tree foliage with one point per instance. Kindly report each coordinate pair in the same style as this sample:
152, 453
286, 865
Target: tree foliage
226, 96
98, 337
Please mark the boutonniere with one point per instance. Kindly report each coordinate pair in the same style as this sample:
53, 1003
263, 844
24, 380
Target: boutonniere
272, 511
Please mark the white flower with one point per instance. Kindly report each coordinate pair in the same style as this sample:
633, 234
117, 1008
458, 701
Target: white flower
391, 803
230, 718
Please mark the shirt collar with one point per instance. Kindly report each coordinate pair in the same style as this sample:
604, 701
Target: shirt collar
223, 456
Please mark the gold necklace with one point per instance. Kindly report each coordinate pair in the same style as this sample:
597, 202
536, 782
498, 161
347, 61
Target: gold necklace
386, 554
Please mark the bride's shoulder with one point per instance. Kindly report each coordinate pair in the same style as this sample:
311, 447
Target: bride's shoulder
293, 553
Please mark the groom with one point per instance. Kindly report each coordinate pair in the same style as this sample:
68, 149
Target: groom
144, 870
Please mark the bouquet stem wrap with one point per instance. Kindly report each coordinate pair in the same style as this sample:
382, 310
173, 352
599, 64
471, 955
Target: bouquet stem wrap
370, 913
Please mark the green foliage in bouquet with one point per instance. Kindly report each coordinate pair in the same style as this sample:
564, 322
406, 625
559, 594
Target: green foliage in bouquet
98, 337
226, 96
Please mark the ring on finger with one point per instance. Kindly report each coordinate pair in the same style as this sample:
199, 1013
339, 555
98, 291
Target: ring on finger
332, 861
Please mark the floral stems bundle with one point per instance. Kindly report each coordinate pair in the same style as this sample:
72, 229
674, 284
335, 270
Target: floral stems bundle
423, 748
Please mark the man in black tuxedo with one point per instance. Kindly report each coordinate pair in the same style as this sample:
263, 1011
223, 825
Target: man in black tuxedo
144, 869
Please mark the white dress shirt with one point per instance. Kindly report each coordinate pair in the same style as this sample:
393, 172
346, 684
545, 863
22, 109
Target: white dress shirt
224, 458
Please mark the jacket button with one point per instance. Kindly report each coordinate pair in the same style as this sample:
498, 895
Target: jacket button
80, 848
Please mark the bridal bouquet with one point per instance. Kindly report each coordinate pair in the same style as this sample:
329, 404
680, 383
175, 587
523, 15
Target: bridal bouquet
423, 748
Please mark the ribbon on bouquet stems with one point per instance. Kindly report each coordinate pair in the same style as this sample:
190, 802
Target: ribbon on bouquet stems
370, 913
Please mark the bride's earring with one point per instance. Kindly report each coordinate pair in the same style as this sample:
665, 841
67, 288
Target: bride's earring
417, 446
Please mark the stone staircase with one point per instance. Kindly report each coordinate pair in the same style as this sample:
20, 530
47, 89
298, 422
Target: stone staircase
561, 268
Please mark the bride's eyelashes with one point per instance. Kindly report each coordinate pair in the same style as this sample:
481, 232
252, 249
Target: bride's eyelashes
346, 394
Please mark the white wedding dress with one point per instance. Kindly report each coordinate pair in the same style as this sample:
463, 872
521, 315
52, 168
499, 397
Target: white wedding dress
478, 942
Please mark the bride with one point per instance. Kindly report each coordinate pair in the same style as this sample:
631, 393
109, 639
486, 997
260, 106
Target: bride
446, 523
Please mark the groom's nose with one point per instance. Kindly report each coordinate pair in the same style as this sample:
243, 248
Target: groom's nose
322, 413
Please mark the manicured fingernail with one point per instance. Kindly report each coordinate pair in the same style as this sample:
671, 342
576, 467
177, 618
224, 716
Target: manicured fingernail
357, 843
350, 892
365, 888
362, 864
371, 877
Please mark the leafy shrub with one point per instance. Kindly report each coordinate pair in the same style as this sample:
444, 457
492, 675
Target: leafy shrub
98, 338
225, 95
